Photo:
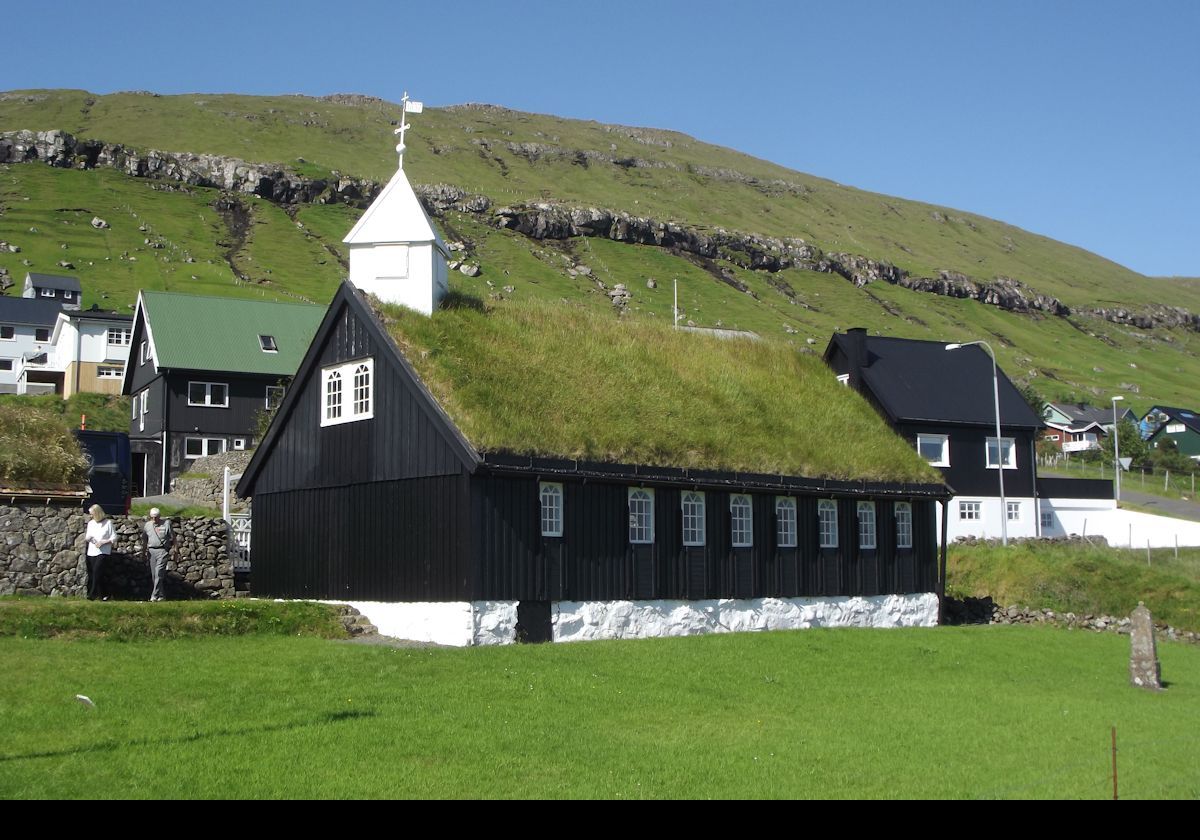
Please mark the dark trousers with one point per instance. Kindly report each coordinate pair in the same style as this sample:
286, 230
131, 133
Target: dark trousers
95, 567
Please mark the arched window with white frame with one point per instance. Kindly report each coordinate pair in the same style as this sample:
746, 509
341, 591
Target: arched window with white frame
904, 534
692, 508
785, 522
348, 392
641, 515
333, 396
866, 525
552, 509
827, 523
362, 390
741, 520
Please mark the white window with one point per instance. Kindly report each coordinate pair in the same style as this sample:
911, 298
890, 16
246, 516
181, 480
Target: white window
866, 525
274, 396
692, 508
47, 293
134, 413
1053, 437
41, 334
1047, 519
552, 509
68, 295
970, 511
197, 447
827, 523
1174, 428
904, 525
145, 401
935, 449
210, 394
239, 443
119, 336
1013, 511
8, 333
109, 372
143, 354
641, 515
1006, 453
267, 343
785, 522
741, 516
354, 380
6, 364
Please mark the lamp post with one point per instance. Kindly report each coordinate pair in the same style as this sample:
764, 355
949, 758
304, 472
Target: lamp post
1116, 448
999, 442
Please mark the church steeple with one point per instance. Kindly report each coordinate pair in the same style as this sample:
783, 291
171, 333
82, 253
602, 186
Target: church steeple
395, 252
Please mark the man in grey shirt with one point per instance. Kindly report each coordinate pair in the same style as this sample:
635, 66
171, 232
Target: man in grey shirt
158, 535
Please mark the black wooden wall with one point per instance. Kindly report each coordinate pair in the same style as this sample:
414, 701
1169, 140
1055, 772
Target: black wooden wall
968, 473
594, 559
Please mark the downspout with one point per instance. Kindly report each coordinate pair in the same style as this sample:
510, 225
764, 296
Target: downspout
941, 593
78, 354
166, 448
1037, 504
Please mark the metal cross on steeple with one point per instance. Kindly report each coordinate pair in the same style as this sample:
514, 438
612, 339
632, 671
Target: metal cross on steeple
408, 106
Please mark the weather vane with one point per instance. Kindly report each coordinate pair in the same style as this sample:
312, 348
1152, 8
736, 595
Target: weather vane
408, 106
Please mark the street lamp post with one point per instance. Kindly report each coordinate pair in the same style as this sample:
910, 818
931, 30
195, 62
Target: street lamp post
1116, 448
999, 442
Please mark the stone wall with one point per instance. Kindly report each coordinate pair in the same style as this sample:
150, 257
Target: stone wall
987, 611
42, 553
202, 482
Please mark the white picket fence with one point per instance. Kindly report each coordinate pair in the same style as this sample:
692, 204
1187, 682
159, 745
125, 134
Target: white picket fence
239, 528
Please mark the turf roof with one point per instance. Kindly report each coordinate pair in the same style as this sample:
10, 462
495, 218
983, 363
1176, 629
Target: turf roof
561, 381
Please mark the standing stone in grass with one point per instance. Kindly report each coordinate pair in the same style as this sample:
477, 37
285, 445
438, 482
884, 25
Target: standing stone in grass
1144, 669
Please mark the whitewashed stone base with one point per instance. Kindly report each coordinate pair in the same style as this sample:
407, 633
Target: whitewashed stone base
579, 621
457, 623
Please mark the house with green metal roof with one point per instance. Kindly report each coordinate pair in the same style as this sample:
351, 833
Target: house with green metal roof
200, 371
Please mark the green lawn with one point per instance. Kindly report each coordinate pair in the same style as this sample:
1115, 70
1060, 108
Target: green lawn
985, 712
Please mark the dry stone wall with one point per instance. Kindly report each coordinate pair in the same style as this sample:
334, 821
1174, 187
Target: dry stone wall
42, 553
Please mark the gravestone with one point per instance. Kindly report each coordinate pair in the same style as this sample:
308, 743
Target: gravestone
1144, 669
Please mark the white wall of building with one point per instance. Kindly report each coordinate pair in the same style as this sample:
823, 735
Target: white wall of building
988, 525
1121, 528
412, 275
23, 343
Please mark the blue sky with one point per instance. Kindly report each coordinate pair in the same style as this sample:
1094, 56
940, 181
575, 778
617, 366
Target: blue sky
1077, 120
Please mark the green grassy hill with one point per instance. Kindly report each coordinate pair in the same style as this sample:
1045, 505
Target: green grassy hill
163, 235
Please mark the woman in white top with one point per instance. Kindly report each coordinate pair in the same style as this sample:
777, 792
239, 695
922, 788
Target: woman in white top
100, 538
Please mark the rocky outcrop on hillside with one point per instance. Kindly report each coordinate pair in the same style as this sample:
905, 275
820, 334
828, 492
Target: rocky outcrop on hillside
557, 221
274, 183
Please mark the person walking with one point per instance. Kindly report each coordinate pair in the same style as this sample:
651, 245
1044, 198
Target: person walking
159, 536
100, 537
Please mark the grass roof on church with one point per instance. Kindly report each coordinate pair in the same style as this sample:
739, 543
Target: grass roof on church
561, 380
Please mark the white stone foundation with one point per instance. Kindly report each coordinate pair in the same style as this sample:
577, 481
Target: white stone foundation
468, 623
579, 621
456, 623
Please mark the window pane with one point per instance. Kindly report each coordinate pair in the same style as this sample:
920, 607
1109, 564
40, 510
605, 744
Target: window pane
903, 525
742, 520
197, 393
362, 390
641, 516
551, 497
785, 522
827, 522
218, 394
194, 447
866, 525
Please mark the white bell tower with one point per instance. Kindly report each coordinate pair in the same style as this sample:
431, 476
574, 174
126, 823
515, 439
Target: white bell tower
395, 252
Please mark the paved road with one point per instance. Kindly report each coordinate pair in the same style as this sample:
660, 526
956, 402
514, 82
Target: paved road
1166, 507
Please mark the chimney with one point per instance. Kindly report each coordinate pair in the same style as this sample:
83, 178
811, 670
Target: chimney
856, 352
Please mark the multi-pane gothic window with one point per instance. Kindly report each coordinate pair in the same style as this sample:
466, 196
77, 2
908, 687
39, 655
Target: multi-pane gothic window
827, 524
904, 534
692, 508
641, 515
785, 522
741, 519
866, 525
347, 392
552, 509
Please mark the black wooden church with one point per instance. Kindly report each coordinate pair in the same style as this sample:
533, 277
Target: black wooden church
364, 488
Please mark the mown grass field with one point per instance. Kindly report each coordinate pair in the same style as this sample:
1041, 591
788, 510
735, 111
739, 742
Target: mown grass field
992, 712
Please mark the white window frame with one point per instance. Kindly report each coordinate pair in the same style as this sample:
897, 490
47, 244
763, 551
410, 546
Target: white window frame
1175, 428
109, 372
145, 400
143, 353
1047, 519
827, 523
741, 520
47, 293
68, 295
352, 400
970, 510
904, 525
40, 331
208, 399
786, 533
204, 446
264, 339
943, 441
866, 526
239, 444
12, 332
1012, 511
124, 336
550, 495
693, 506
1010, 463
641, 515
282, 392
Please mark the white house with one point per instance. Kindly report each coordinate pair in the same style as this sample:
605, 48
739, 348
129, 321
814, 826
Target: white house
87, 352
26, 325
